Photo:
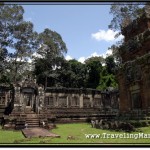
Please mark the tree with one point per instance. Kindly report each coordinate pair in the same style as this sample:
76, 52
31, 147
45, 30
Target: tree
25, 43
51, 50
80, 73
110, 64
94, 67
106, 80
124, 14
17, 39
10, 15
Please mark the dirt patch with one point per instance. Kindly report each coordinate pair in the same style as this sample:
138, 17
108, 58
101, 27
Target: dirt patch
38, 132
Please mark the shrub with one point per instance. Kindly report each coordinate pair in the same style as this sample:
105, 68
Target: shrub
88, 120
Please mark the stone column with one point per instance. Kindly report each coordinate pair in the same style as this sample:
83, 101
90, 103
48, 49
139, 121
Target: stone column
81, 100
91, 100
56, 100
67, 102
6, 99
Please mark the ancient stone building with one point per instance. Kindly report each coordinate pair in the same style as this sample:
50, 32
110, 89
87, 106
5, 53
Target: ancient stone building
31, 103
134, 74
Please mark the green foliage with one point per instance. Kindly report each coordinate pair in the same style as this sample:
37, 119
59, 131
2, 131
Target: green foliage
4, 79
70, 74
140, 123
17, 35
51, 52
110, 64
94, 66
124, 14
9, 16
107, 80
51, 45
80, 73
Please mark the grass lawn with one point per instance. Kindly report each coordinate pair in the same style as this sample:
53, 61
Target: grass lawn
76, 132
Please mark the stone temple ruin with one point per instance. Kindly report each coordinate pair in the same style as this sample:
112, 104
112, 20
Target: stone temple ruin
27, 102
134, 74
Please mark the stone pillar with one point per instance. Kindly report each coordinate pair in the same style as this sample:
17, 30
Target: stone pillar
124, 104
81, 100
57, 98
54, 99
91, 99
145, 88
67, 101
37, 104
6, 99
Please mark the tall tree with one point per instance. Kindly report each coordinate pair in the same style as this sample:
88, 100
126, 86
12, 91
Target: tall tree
10, 16
51, 48
94, 66
124, 13
24, 43
110, 64
79, 73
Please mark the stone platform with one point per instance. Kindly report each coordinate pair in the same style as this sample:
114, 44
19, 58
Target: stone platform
38, 132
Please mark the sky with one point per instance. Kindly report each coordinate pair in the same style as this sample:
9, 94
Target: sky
84, 28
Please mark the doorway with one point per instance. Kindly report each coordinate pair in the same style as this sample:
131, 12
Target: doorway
28, 100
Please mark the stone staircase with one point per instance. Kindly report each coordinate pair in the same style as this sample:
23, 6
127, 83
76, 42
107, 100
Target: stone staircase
27, 116
32, 119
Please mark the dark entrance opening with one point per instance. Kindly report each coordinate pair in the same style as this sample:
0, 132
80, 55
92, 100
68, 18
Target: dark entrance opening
29, 99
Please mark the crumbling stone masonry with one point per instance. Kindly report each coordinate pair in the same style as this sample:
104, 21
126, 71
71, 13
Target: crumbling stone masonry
134, 74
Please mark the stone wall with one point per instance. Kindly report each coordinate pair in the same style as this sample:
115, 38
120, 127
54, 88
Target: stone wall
72, 98
63, 103
79, 103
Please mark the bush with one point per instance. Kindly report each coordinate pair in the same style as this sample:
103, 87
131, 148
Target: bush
53, 120
140, 123
88, 120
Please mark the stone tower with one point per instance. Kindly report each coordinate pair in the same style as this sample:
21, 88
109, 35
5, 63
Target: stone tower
134, 74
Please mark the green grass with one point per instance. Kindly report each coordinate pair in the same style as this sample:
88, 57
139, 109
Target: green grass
77, 131
7, 136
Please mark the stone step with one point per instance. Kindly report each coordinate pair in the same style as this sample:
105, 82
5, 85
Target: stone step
32, 121
29, 112
33, 124
31, 115
31, 118
2, 106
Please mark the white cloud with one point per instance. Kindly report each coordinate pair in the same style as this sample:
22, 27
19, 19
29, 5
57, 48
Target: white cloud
108, 53
108, 35
104, 55
95, 54
81, 59
35, 54
30, 60
68, 57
